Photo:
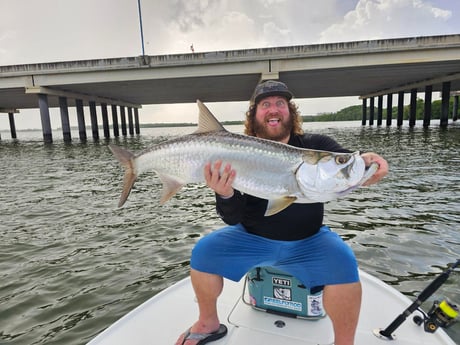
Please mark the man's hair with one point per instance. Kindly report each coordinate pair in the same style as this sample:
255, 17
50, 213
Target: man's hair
296, 119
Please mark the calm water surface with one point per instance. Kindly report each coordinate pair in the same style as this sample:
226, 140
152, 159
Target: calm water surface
71, 262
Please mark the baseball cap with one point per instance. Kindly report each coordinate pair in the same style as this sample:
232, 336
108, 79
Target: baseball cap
271, 88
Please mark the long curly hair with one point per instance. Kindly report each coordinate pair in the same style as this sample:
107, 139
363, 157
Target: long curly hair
296, 119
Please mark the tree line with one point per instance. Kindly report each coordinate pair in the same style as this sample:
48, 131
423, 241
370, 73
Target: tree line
351, 113
355, 112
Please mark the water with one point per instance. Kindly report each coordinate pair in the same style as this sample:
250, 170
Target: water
71, 262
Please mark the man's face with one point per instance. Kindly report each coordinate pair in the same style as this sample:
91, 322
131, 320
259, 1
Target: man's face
273, 120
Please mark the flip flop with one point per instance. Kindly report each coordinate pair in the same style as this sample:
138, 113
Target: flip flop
205, 338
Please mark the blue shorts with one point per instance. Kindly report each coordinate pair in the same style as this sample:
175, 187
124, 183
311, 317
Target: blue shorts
322, 259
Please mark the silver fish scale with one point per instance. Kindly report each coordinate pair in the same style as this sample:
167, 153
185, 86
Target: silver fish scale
263, 168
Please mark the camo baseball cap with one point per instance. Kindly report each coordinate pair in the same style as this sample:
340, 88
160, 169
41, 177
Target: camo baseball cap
271, 88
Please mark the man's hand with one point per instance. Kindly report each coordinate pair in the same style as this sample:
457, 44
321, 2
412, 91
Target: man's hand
371, 157
220, 183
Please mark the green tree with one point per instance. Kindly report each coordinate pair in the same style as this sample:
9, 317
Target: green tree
354, 112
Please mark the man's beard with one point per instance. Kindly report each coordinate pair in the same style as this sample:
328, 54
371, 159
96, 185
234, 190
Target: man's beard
261, 130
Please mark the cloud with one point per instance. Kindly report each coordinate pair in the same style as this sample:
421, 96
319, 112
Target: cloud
239, 24
50, 30
439, 13
277, 36
209, 25
374, 19
191, 14
6, 37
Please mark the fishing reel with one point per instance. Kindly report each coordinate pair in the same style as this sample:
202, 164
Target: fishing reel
441, 314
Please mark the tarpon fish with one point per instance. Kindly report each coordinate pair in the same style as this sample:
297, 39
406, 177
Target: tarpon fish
271, 170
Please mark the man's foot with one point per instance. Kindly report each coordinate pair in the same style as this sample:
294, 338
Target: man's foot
204, 338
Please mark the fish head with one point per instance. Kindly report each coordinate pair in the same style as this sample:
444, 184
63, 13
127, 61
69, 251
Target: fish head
333, 175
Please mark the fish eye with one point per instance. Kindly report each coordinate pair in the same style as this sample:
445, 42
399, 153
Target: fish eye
342, 159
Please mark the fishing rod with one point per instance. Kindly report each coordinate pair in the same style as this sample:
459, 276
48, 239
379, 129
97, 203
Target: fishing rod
441, 314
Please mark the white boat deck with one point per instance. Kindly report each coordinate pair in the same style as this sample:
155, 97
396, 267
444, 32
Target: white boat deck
164, 317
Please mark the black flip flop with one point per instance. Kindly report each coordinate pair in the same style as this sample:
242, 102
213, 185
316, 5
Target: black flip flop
205, 338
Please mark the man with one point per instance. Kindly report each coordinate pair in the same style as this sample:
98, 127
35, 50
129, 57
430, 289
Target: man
293, 240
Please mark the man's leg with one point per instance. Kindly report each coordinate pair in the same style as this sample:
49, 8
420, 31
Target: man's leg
207, 288
343, 303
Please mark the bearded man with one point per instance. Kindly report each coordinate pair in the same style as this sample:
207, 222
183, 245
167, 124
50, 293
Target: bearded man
294, 240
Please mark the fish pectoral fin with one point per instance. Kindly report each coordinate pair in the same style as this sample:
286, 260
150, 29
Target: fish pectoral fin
277, 205
170, 187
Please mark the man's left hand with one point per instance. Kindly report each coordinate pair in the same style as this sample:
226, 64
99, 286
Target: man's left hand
371, 157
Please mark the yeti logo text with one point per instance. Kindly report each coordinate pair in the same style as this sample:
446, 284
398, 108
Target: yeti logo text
280, 281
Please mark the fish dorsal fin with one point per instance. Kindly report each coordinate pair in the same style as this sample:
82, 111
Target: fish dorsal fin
277, 205
170, 187
206, 120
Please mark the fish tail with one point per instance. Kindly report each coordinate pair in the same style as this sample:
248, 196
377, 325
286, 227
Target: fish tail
126, 159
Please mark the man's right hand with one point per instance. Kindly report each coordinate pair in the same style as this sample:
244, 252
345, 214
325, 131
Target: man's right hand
220, 183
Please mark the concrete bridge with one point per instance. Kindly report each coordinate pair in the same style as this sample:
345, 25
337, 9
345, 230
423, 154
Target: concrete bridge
374, 69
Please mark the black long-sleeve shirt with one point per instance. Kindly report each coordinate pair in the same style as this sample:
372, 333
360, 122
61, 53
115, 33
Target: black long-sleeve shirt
296, 222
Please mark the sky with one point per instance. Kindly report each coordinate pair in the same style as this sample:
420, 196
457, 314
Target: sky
34, 31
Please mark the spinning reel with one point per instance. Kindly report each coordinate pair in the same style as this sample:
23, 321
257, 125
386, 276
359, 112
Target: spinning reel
441, 314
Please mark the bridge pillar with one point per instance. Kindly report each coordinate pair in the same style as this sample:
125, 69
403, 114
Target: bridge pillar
389, 108
379, 110
413, 107
427, 106
93, 115
136, 120
45, 117
130, 121
400, 108
364, 110
116, 131
12, 125
371, 112
105, 120
81, 119
65, 119
455, 110
123, 121
445, 95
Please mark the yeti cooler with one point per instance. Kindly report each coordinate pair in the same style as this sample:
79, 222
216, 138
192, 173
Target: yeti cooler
278, 292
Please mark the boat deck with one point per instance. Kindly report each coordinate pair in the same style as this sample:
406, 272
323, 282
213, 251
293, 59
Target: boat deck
164, 317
